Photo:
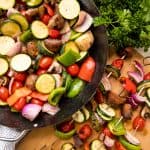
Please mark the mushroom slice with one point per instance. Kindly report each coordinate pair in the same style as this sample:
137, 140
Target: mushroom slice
85, 25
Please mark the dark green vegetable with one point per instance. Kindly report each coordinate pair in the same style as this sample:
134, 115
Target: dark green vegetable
75, 88
127, 22
56, 95
115, 71
63, 135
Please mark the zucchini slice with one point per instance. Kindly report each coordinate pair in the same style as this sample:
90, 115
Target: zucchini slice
45, 83
6, 4
107, 110
143, 85
67, 146
39, 29
69, 9
20, 19
148, 93
6, 44
97, 145
86, 113
103, 116
4, 66
20, 62
33, 3
79, 117
10, 28
83, 54
43, 49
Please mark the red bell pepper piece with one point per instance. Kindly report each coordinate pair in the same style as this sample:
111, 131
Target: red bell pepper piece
128, 85
40, 96
19, 93
20, 104
87, 69
49, 10
119, 146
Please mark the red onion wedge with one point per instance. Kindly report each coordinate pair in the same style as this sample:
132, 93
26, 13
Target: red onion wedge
15, 49
131, 101
138, 99
135, 76
10, 85
106, 83
51, 110
140, 68
109, 142
85, 25
31, 111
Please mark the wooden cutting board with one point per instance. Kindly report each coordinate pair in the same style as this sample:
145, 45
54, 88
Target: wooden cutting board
45, 139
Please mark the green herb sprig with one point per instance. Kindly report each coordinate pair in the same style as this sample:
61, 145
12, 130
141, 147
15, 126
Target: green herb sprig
127, 22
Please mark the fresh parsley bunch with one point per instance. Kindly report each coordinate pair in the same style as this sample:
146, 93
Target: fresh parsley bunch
127, 22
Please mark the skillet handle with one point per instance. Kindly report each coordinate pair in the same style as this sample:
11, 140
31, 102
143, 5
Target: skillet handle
14, 139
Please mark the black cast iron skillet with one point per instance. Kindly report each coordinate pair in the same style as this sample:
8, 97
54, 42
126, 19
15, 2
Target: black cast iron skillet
67, 106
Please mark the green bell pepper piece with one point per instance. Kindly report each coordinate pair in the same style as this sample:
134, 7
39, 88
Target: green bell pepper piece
63, 135
26, 36
115, 128
75, 88
55, 95
128, 145
68, 58
115, 71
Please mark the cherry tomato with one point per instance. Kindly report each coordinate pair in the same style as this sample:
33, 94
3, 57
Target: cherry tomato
45, 18
41, 71
85, 132
45, 62
4, 93
66, 126
119, 146
73, 70
37, 101
20, 76
53, 33
139, 123
147, 76
107, 132
99, 96
118, 63
49, 9
86, 146
16, 85
20, 104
